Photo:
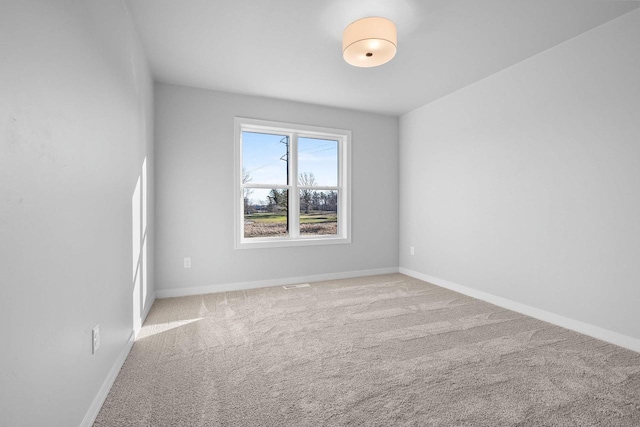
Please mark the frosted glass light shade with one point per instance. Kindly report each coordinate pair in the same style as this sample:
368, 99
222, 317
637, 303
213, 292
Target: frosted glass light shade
369, 42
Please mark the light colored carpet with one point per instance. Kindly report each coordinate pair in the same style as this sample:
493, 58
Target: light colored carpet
376, 351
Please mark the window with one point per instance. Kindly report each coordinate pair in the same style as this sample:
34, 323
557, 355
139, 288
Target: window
292, 184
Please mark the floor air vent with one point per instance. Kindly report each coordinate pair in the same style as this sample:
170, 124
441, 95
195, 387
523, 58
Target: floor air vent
302, 285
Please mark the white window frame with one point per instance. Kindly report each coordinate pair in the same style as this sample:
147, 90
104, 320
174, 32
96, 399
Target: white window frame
294, 131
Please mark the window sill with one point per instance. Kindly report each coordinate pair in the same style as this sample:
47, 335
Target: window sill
279, 243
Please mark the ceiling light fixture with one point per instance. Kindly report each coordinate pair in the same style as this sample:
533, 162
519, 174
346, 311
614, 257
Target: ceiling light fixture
369, 42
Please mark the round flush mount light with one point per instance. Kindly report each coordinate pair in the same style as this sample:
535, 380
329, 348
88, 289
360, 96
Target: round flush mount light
369, 42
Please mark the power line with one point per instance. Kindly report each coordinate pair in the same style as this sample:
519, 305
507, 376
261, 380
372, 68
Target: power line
333, 143
286, 154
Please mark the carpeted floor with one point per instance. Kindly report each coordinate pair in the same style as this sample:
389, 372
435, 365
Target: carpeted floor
375, 351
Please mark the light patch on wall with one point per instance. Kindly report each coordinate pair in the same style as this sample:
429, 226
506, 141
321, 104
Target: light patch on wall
139, 246
135, 250
144, 230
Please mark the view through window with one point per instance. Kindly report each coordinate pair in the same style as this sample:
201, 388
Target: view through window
293, 183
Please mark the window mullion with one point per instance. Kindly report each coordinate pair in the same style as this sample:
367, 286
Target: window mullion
294, 198
319, 188
269, 186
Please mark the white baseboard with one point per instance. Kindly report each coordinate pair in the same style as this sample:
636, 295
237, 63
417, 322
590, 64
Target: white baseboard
224, 287
94, 409
96, 405
556, 319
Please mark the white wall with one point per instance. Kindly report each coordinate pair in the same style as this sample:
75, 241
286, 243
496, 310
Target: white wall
194, 198
75, 126
526, 185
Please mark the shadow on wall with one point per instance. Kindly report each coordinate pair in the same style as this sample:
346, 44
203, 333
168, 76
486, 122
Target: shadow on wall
139, 246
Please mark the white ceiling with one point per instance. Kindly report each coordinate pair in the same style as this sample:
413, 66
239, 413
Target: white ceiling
291, 49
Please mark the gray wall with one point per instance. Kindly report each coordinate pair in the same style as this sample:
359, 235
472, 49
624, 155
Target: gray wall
76, 123
194, 198
526, 185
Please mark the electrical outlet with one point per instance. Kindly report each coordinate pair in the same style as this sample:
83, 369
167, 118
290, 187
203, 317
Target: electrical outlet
412, 250
95, 339
187, 263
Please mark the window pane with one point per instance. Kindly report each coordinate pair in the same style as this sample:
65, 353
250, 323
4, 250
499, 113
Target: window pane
317, 162
264, 158
265, 212
318, 212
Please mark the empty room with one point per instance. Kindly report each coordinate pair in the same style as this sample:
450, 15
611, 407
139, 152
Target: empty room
319, 213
